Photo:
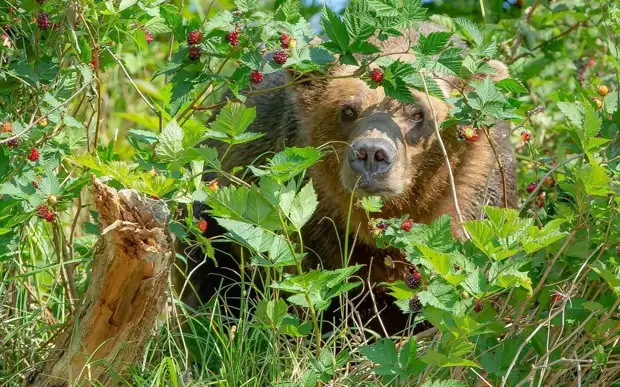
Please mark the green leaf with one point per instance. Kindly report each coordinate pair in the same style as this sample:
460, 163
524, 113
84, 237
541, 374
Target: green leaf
596, 180
511, 85
335, 29
372, 203
383, 352
170, 142
475, 284
436, 359
444, 383
612, 278
303, 206
470, 30
126, 4
433, 43
234, 119
270, 313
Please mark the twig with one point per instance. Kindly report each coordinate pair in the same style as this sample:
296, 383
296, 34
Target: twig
528, 117
568, 31
500, 164
44, 116
542, 180
374, 302
455, 199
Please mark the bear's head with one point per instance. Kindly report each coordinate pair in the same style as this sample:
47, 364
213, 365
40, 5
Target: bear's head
379, 146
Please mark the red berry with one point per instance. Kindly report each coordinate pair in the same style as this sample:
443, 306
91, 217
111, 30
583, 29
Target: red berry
467, 133
591, 63
233, 38
194, 53
478, 307
148, 36
213, 185
40, 1
556, 298
280, 57
50, 216
42, 210
407, 224
526, 136
285, 40
531, 187
549, 182
154, 197
35, 184
256, 76
415, 305
202, 225
413, 280
13, 142
94, 59
43, 21
542, 195
376, 75
194, 37
34, 155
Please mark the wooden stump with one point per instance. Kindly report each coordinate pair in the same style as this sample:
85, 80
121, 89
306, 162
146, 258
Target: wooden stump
127, 292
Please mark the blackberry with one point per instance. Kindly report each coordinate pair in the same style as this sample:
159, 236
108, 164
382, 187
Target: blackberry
33, 155
280, 57
194, 53
407, 224
531, 187
194, 37
376, 75
13, 143
43, 21
415, 305
382, 225
233, 38
478, 307
414, 280
256, 76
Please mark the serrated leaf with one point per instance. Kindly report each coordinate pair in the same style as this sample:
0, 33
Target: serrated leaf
372, 203
434, 358
270, 313
335, 29
303, 206
433, 43
470, 30
234, 119
170, 144
511, 85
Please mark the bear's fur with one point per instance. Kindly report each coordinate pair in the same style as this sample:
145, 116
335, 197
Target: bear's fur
417, 184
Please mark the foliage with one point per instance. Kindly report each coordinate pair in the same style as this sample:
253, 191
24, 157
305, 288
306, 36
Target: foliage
530, 292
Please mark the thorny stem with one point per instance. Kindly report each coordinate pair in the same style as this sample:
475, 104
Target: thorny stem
455, 199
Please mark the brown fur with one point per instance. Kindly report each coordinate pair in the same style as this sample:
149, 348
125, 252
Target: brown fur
308, 115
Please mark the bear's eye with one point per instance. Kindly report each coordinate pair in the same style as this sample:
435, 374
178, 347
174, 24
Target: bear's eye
348, 113
418, 117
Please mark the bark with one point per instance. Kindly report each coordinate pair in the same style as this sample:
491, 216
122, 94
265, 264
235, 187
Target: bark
126, 295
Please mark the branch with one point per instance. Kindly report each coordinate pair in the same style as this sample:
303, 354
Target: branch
499, 164
568, 31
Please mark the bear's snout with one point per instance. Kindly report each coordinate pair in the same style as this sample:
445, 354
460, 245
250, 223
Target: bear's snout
372, 156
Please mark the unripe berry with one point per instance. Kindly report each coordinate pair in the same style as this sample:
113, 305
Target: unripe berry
148, 37
376, 75
280, 57
467, 133
292, 43
603, 90
33, 155
202, 225
194, 53
285, 40
549, 182
52, 200
526, 136
213, 185
50, 217
598, 102
43, 21
43, 123
194, 37
256, 76
7, 127
407, 224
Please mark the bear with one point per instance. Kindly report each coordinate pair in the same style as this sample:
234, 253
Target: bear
380, 147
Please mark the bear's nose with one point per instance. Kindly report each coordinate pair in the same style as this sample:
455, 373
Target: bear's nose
372, 155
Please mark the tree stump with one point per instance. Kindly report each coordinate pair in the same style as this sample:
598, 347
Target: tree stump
127, 292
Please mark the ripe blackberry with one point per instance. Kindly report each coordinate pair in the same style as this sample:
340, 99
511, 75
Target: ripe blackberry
194, 53
35, 184
233, 38
415, 305
43, 21
382, 225
256, 76
280, 57
531, 187
376, 75
148, 37
33, 155
478, 307
285, 40
407, 224
202, 225
414, 280
194, 37
13, 143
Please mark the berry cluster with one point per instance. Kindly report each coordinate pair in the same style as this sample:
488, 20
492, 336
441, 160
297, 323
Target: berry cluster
44, 212
415, 305
33, 155
540, 198
280, 57
376, 75
7, 127
233, 38
43, 21
193, 39
414, 280
478, 306
407, 224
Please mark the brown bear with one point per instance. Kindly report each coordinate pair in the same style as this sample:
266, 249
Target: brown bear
379, 146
